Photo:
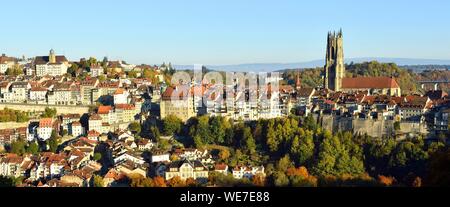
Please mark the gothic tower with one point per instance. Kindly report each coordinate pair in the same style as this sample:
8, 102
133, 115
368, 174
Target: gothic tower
334, 66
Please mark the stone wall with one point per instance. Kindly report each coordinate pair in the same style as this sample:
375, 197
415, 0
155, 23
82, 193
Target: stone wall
373, 128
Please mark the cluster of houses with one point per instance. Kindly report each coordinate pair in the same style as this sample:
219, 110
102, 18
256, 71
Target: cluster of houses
374, 100
67, 169
60, 90
45, 81
122, 157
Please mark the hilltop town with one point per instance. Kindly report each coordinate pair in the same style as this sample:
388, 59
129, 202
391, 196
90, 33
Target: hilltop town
91, 123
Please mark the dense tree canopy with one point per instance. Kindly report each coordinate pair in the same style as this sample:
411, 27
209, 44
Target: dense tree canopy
9, 115
172, 125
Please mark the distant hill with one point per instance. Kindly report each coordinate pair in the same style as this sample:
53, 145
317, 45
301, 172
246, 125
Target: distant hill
267, 67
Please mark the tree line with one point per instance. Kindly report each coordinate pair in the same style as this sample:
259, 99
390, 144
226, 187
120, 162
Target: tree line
287, 145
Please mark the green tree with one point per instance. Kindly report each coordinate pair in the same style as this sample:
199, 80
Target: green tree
284, 163
49, 113
132, 74
172, 125
98, 181
271, 139
248, 142
102, 78
18, 147
302, 148
397, 126
72, 70
155, 133
92, 61
280, 179
135, 127
97, 156
6, 182
335, 158
15, 70
53, 142
408, 157
310, 123
217, 129
33, 148
198, 141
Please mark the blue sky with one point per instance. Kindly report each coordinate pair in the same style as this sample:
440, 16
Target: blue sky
224, 32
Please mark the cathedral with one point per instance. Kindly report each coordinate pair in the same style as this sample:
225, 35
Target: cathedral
334, 73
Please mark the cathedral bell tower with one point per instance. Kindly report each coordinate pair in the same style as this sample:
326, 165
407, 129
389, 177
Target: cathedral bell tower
334, 66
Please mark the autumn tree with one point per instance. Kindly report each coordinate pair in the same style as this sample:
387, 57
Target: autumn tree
98, 181
159, 182
224, 154
141, 182
191, 182
259, 180
176, 182
386, 180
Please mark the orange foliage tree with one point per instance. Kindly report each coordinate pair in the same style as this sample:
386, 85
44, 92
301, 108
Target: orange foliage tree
191, 182
386, 180
176, 182
159, 182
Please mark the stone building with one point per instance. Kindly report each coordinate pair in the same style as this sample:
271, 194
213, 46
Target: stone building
52, 65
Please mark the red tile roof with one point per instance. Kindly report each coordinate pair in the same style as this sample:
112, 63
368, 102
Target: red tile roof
125, 106
47, 122
93, 133
104, 109
119, 91
369, 82
221, 166
95, 117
